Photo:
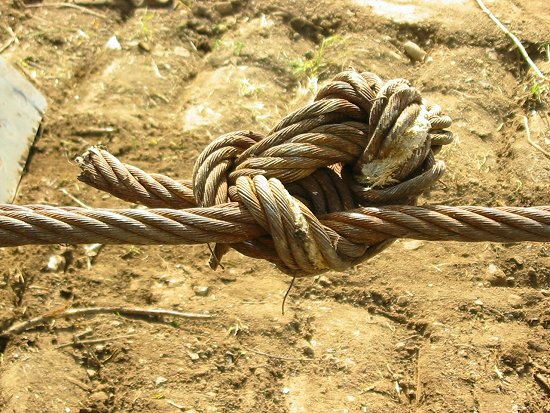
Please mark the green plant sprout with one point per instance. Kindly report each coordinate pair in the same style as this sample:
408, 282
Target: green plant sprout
146, 27
238, 48
313, 64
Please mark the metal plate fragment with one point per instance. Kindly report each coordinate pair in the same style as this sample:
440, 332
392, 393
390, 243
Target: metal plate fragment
21, 110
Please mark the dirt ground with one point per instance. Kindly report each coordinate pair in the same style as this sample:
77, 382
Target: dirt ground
422, 327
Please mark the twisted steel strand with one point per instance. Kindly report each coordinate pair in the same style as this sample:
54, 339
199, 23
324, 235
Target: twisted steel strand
229, 223
105, 172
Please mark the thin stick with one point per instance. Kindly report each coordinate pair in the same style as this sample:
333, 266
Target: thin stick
273, 356
67, 5
93, 341
11, 40
78, 383
286, 295
78, 312
543, 382
513, 37
531, 141
75, 199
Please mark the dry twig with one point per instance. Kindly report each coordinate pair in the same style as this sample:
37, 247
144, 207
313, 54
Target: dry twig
543, 382
74, 198
78, 312
67, 5
13, 39
513, 37
531, 141
93, 341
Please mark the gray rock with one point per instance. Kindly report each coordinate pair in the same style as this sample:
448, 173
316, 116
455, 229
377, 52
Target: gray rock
225, 8
201, 291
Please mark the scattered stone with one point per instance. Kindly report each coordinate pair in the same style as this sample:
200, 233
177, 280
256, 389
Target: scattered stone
308, 350
478, 302
99, 397
324, 281
485, 85
56, 263
260, 371
113, 44
496, 275
516, 357
538, 346
403, 300
226, 279
462, 353
201, 291
201, 11
225, 8
518, 261
159, 381
415, 52
145, 46
412, 245
492, 269
193, 356
91, 373
515, 301
182, 52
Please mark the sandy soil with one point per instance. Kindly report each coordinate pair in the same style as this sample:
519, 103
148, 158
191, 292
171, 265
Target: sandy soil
422, 327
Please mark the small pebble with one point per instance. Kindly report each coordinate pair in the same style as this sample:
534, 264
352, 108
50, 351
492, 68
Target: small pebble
225, 8
99, 396
113, 44
415, 52
56, 263
515, 301
324, 281
182, 52
201, 291
146, 47
193, 356
412, 245
160, 381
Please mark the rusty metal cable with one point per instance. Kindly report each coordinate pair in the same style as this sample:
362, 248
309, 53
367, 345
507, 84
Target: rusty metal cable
334, 240
331, 185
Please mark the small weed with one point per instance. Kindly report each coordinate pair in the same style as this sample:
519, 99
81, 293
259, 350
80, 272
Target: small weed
236, 45
146, 26
313, 64
238, 48
236, 328
248, 88
185, 3
536, 94
132, 252
545, 47
538, 89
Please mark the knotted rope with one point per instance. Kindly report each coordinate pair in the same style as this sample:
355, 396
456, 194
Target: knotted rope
309, 196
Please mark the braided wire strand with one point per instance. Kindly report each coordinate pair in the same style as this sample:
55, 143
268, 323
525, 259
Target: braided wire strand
231, 223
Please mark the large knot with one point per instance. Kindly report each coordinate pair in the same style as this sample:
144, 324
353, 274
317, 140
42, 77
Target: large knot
361, 142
